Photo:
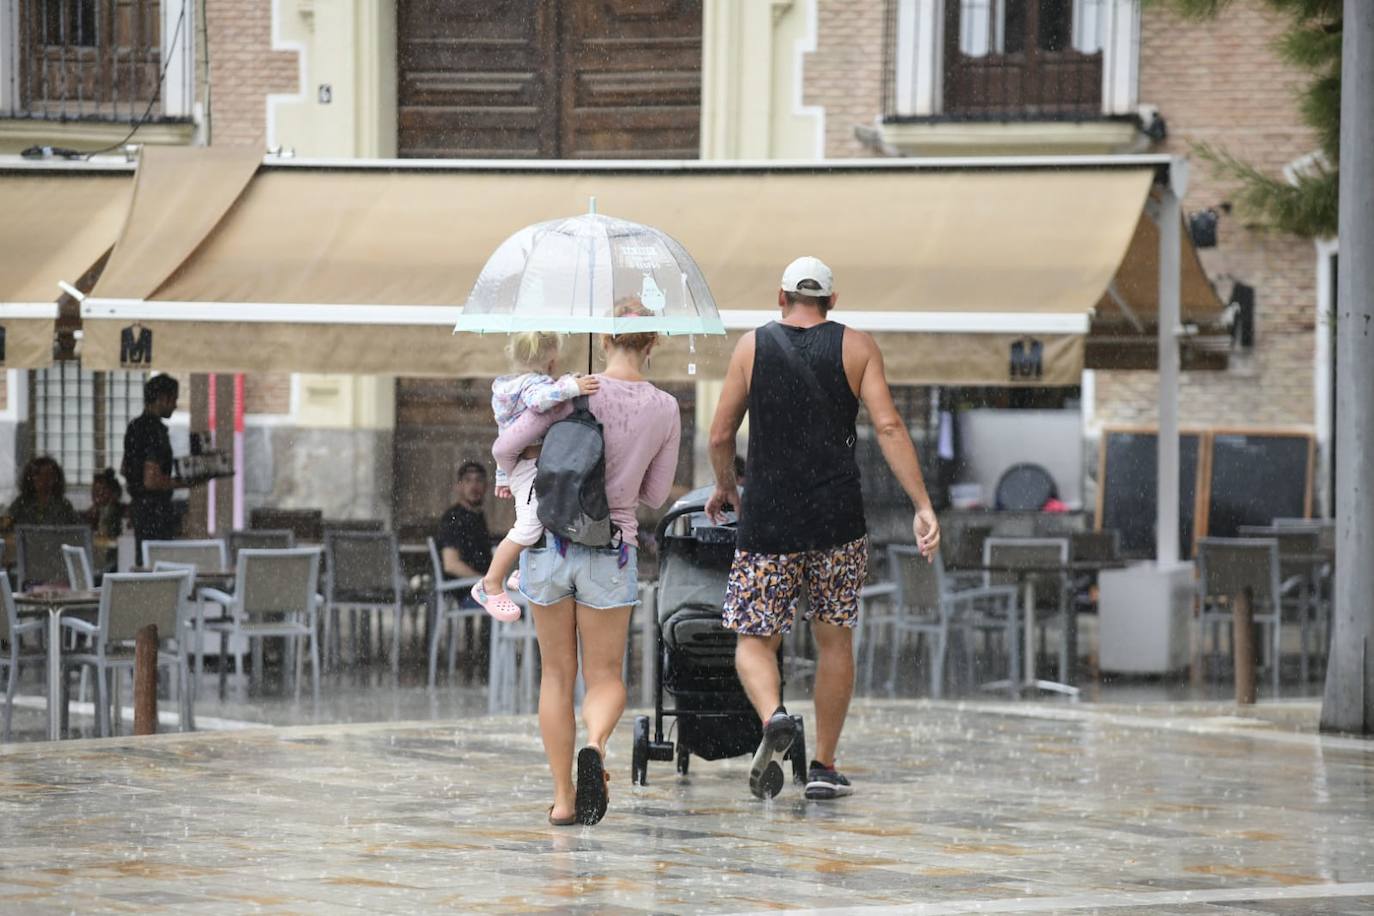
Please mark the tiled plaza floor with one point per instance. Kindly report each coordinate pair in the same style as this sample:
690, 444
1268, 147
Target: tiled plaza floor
959, 808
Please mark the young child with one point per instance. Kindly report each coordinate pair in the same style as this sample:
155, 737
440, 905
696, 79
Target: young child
533, 354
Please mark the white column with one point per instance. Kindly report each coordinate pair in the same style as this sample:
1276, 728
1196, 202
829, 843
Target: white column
1321, 375
1348, 703
1166, 534
178, 57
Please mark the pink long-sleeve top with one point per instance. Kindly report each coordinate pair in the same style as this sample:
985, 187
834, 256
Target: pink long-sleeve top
642, 429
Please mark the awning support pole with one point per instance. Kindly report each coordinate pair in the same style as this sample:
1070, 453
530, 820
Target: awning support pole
1169, 221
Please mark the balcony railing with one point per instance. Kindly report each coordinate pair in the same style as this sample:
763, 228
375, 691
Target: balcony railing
1011, 60
85, 60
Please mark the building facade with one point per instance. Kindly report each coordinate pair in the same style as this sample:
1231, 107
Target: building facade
718, 79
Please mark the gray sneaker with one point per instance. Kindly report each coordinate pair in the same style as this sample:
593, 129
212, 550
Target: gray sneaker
823, 782
765, 773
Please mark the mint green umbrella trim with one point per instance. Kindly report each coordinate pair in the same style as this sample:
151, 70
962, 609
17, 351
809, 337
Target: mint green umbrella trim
489, 323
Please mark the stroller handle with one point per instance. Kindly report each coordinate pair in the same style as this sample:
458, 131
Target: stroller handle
676, 513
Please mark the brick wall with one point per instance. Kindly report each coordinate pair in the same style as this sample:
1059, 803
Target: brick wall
245, 69
267, 394
845, 73
1221, 83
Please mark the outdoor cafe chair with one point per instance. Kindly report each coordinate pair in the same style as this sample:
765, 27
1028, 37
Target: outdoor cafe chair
1050, 588
205, 555
1300, 572
448, 607
274, 595
79, 579
38, 553
362, 576
1093, 546
129, 602
78, 563
930, 606
260, 539
13, 653
1228, 567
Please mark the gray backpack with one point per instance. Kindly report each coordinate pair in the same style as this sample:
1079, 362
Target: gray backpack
570, 482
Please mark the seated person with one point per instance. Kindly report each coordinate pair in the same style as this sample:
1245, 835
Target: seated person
463, 540
42, 496
106, 514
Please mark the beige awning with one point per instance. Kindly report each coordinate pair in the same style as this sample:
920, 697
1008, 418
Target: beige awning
971, 275
57, 223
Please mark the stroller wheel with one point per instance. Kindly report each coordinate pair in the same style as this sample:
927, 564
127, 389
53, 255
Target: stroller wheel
770, 781
684, 758
639, 757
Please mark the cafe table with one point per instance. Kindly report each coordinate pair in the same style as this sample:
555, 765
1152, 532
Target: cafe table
1026, 575
55, 603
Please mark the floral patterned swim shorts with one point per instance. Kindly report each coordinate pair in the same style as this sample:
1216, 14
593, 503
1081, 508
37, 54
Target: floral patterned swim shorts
761, 597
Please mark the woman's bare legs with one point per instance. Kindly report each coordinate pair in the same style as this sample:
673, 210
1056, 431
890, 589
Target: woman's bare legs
556, 627
603, 658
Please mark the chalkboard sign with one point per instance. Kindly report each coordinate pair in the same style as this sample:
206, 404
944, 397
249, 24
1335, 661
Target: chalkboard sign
1257, 477
1127, 481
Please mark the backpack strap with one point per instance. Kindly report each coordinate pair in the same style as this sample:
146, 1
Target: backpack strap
802, 369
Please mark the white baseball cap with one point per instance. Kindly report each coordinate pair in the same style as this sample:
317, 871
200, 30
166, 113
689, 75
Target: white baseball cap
808, 268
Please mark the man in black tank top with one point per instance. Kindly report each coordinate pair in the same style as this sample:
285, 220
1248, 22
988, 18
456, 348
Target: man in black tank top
801, 521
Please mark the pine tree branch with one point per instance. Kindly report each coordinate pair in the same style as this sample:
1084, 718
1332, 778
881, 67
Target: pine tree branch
1307, 206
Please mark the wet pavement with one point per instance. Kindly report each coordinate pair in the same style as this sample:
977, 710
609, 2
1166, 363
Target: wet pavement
959, 808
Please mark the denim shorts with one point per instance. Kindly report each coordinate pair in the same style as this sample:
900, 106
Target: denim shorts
592, 576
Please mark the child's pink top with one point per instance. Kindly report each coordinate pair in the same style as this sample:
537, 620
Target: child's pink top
642, 428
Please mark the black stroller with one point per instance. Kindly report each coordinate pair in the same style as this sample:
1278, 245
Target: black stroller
694, 662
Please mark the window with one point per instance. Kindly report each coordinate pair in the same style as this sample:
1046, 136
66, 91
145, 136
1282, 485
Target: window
1009, 60
97, 60
1016, 58
79, 417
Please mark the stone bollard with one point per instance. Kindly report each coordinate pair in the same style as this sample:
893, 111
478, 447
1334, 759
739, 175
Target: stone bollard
1243, 638
145, 681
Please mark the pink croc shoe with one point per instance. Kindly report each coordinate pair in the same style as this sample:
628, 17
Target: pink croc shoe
513, 583
499, 605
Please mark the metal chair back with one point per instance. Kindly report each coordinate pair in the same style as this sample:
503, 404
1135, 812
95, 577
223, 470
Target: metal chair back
39, 554
79, 575
920, 584
260, 539
436, 562
1229, 566
207, 555
188, 586
969, 551
353, 524
1095, 545
1325, 528
1022, 553
131, 601
9, 614
362, 566
272, 583
305, 524
1297, 546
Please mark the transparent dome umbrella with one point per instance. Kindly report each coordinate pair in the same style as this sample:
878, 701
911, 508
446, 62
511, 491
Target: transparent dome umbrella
570, 275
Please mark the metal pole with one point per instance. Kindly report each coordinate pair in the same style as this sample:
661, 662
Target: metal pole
1243, 641
1348, 703
1166, 512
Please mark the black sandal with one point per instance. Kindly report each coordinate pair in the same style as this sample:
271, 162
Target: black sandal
565, 821
592, 792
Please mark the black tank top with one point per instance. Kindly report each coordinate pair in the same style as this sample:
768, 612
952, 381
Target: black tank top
801, 482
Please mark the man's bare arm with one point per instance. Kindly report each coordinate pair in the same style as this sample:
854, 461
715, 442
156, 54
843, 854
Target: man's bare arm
730, 410
454, 565
895, 442
154, 480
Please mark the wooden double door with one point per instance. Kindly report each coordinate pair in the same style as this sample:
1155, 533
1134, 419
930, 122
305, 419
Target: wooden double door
549, 79
529, 79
